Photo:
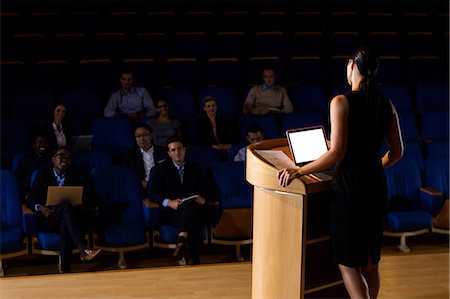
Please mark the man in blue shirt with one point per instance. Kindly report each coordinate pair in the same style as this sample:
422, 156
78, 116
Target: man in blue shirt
133, 102
63, 218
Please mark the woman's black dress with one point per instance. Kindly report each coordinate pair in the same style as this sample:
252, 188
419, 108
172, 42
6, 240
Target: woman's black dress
358, 208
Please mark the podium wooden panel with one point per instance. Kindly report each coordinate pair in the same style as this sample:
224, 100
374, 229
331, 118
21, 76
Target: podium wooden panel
284, 250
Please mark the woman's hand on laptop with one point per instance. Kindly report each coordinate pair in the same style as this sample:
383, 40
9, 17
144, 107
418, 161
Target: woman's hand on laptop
285, 176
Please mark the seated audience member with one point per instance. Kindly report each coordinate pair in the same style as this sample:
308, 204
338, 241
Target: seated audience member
212, 129
254, 134
173, 180
64, 218
267, 97
144, 155
58, 131
133, 102
39, 157
163, 125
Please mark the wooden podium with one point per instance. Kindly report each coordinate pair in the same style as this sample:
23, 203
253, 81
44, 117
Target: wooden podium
291, 247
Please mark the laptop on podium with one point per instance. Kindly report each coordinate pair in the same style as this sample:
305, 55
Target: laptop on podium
307, 144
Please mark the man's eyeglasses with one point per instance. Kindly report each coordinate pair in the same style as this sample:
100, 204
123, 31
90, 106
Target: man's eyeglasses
63, 156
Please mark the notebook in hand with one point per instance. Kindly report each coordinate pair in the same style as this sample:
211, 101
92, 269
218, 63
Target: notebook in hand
308, 144
57, 195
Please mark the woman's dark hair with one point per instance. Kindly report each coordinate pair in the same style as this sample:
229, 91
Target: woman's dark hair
207, 99
367, 62
54, 108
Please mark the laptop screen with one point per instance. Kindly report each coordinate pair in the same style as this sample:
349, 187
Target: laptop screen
307, 144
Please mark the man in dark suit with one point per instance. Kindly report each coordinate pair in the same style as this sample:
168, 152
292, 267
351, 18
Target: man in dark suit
144, 155
176, 179
63, 218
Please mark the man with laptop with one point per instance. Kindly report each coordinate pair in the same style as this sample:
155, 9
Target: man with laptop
54, 195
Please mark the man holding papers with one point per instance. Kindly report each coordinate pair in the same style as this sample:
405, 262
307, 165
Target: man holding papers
63, 218
178, 186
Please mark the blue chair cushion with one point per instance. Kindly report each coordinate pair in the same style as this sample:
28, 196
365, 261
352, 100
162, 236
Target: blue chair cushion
49, 240
11, 240
236, 202
169, 233
128, 234
409, 221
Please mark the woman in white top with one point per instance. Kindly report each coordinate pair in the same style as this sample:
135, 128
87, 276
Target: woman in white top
58, 131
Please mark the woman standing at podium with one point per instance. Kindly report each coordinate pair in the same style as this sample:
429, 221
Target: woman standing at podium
361, 120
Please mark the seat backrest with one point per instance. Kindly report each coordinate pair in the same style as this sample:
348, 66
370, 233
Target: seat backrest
404, 182
10, 205
311, 98
118, 191
298, 120
435, 125
82, 103
399, 94
267, 123
229, 181
89, 160
432, 97
112, 133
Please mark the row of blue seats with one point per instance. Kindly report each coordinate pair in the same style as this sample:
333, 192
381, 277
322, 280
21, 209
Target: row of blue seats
115, 185
101, 75
115, 134
35, 105
411, 208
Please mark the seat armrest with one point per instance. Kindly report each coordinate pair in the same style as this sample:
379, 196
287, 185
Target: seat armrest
151, 213
29, 220
431, 200
214, 211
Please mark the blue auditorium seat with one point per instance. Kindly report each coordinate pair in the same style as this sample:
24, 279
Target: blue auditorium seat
392, 70
307, 70
190, 45
34, 106
399, 94
15, 138
272, 43
235, 197
183, 73
153, 45
225, 72
82, 104
112, 134
432, 97
12, 237
301, 119
267, 123
311, 98
308, 44
121, 225
230, 44
426, 69
410, 206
